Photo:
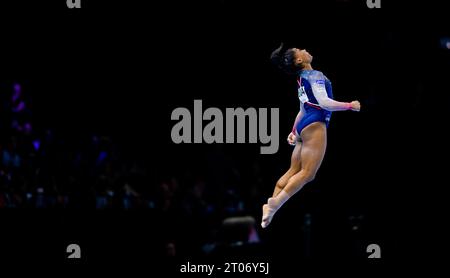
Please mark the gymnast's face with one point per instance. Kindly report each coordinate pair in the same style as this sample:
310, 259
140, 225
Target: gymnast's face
302, 56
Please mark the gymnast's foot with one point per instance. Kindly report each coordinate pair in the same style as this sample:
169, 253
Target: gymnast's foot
268, 213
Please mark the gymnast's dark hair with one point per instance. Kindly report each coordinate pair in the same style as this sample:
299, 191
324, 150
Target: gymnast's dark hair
285, 60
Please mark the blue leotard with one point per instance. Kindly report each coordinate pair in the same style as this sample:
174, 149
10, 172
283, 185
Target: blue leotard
312, 112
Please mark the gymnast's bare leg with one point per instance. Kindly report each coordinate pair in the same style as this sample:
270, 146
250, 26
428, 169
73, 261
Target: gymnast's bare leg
307, 157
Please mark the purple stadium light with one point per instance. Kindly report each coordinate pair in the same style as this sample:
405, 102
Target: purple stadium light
36, 144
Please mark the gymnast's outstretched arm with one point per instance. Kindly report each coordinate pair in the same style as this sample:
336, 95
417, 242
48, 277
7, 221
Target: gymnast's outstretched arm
320, 93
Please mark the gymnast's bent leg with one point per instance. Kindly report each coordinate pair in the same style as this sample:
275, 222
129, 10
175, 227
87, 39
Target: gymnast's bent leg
312, 151
293, 169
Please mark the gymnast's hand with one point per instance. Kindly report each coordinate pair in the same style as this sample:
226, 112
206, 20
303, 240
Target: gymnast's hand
292, 139
356, 106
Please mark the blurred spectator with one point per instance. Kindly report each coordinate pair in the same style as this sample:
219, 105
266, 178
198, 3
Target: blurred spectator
20, 111
43, 169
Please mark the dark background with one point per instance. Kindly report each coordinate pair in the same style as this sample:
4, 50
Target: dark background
119, 68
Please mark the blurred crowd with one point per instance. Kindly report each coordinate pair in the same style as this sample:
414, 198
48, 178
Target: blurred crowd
44, 169
41, 168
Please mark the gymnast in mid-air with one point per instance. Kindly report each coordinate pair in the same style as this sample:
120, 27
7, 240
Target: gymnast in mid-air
309, 133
